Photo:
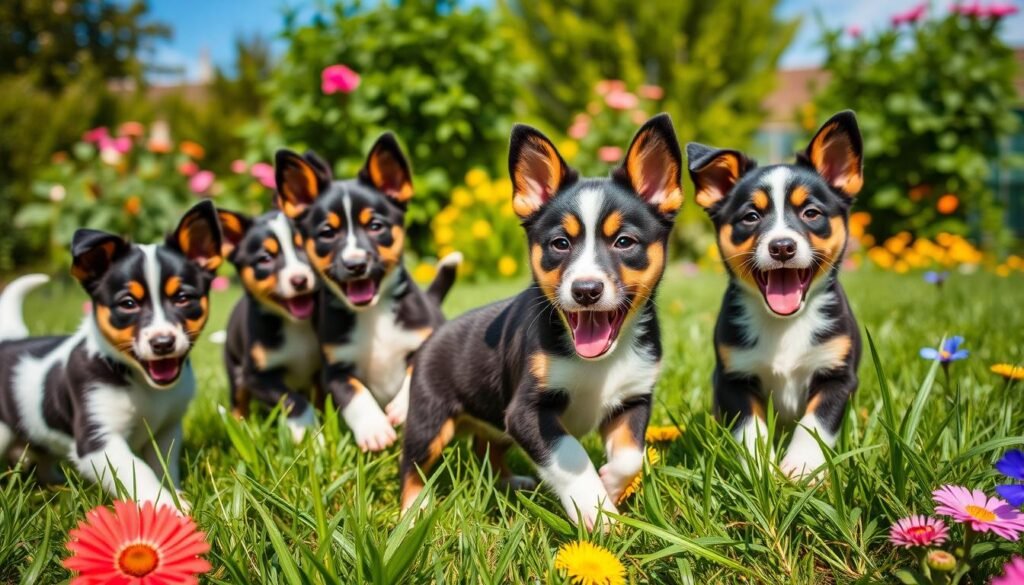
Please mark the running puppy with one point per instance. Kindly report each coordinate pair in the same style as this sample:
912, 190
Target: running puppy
371, 316
577, 351
93, 397
785, 329
271, 352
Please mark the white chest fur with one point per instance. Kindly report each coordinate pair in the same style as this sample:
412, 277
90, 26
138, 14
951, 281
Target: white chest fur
784, 356
299, 355
378, 347
596, 387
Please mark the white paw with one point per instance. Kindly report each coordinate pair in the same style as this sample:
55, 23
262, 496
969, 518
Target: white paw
371, 428
588, 495
298, 425
620, 471
398, 409
799, 466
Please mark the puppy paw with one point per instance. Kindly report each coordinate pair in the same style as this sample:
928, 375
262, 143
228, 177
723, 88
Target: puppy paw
620, 471
299, 425
397, 410
374, 433
801, 466
589, 496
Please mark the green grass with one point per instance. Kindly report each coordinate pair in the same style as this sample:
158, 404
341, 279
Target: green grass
277, 512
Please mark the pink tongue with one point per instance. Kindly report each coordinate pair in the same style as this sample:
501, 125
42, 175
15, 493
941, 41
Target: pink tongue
592, 333
360, 291
163, 370
784, 291
300, 307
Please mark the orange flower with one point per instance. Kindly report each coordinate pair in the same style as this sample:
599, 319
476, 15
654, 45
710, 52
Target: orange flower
192, 149
947, 204
133, 205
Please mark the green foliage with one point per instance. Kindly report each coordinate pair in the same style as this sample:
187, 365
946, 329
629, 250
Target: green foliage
715, 59
933, 98
437, 74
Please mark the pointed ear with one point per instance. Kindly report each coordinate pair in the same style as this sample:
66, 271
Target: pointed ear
836, 153
233, 226
654, 165
198, 236
387, 169
92, 253
299, 183
538, 172
715, 172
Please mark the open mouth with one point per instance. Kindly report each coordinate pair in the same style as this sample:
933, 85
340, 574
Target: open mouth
784, 288
594, 332
361, 291
164, 371
300, 307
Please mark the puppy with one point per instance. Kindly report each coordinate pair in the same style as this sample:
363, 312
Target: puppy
578, 350
94, 397
785, 330
371, 316
271, 352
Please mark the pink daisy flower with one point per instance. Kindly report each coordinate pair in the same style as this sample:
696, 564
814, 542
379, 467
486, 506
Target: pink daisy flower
982, 513
338, 78
609, 154
918, 531
1013, 573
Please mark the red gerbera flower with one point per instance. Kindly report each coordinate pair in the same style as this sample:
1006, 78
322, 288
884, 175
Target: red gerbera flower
136, 545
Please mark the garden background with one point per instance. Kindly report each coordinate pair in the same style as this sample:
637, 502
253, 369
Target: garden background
99, 131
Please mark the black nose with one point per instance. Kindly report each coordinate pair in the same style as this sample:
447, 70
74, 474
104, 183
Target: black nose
299, 282
162, 344
356, 267
782, 249
587, 292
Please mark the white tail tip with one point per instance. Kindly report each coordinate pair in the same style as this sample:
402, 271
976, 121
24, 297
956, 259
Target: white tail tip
12, 324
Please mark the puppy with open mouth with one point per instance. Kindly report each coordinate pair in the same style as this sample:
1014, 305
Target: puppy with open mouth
785, 330
578, 350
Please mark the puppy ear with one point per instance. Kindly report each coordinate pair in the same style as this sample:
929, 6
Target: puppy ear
92, 253
299, 183
538, 172
387, 169
837, 154
654, 165
198, 236
715, 172
233, 226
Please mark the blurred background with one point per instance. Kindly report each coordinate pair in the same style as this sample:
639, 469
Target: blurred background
118, 115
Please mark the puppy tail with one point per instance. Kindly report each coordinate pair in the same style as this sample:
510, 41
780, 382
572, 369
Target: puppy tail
12, 325
446, 270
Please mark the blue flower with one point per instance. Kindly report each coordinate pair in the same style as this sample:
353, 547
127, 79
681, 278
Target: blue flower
949, 352
1012, 466
936, 278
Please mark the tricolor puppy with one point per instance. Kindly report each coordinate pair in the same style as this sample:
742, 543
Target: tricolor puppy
271, 352
785, 330
577, 351
94, 397
371, 316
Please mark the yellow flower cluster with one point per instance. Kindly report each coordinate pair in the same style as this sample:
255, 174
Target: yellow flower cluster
1008, 371
586, 563
903, 252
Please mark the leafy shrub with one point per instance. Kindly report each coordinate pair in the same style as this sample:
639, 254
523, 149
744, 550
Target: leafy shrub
933, 97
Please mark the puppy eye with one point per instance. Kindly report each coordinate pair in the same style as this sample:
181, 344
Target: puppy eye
625, 242
128, 304
811, 214
561, 244
376, 226
181, 299
265, 258
751, 218
326, 233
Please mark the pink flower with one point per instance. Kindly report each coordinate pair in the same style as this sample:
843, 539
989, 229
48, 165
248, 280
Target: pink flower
854, 31
638, 117
96, 134
239, 166
1013, 573
651, 92
87, 307
338, 78
188, 168
982, 513
1001, 10
910, 16
918, 531
580, 127
621, 100
609, 154
220, 283
201, 182
264, 173
607, 86
970, 10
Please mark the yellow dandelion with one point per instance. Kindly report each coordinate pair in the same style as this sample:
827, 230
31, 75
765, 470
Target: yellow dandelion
895, 245
653, 457
423, 272
881, 257
1008, 371
663, 434
507, 266
475, 178
461, 197
586, 563
444, 235
481, 230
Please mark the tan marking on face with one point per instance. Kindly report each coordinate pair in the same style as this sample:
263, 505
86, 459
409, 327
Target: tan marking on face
365, 215
321, 263
171, 286
612, 224
724, 355
136, 289
261, 289
799, 196
333, 220
539, 368
392, 255
272, 246
548, 281
193, 327
258, 355
119, 339
737, 256
829, 251
571, 225
640, 284
760, 199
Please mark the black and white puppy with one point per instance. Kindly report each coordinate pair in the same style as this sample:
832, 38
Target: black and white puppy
580, 349
271, 351
785, 329
94, 397
371, 316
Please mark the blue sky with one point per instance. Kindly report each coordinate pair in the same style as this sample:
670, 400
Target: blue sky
212, 25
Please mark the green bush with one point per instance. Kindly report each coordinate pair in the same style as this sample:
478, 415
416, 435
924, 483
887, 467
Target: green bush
933, 97
439, 75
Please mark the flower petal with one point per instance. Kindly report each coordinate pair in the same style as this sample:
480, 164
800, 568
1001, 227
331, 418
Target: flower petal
1013, 493
929, 353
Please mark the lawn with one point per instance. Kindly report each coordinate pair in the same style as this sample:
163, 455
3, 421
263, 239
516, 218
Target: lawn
280, 513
